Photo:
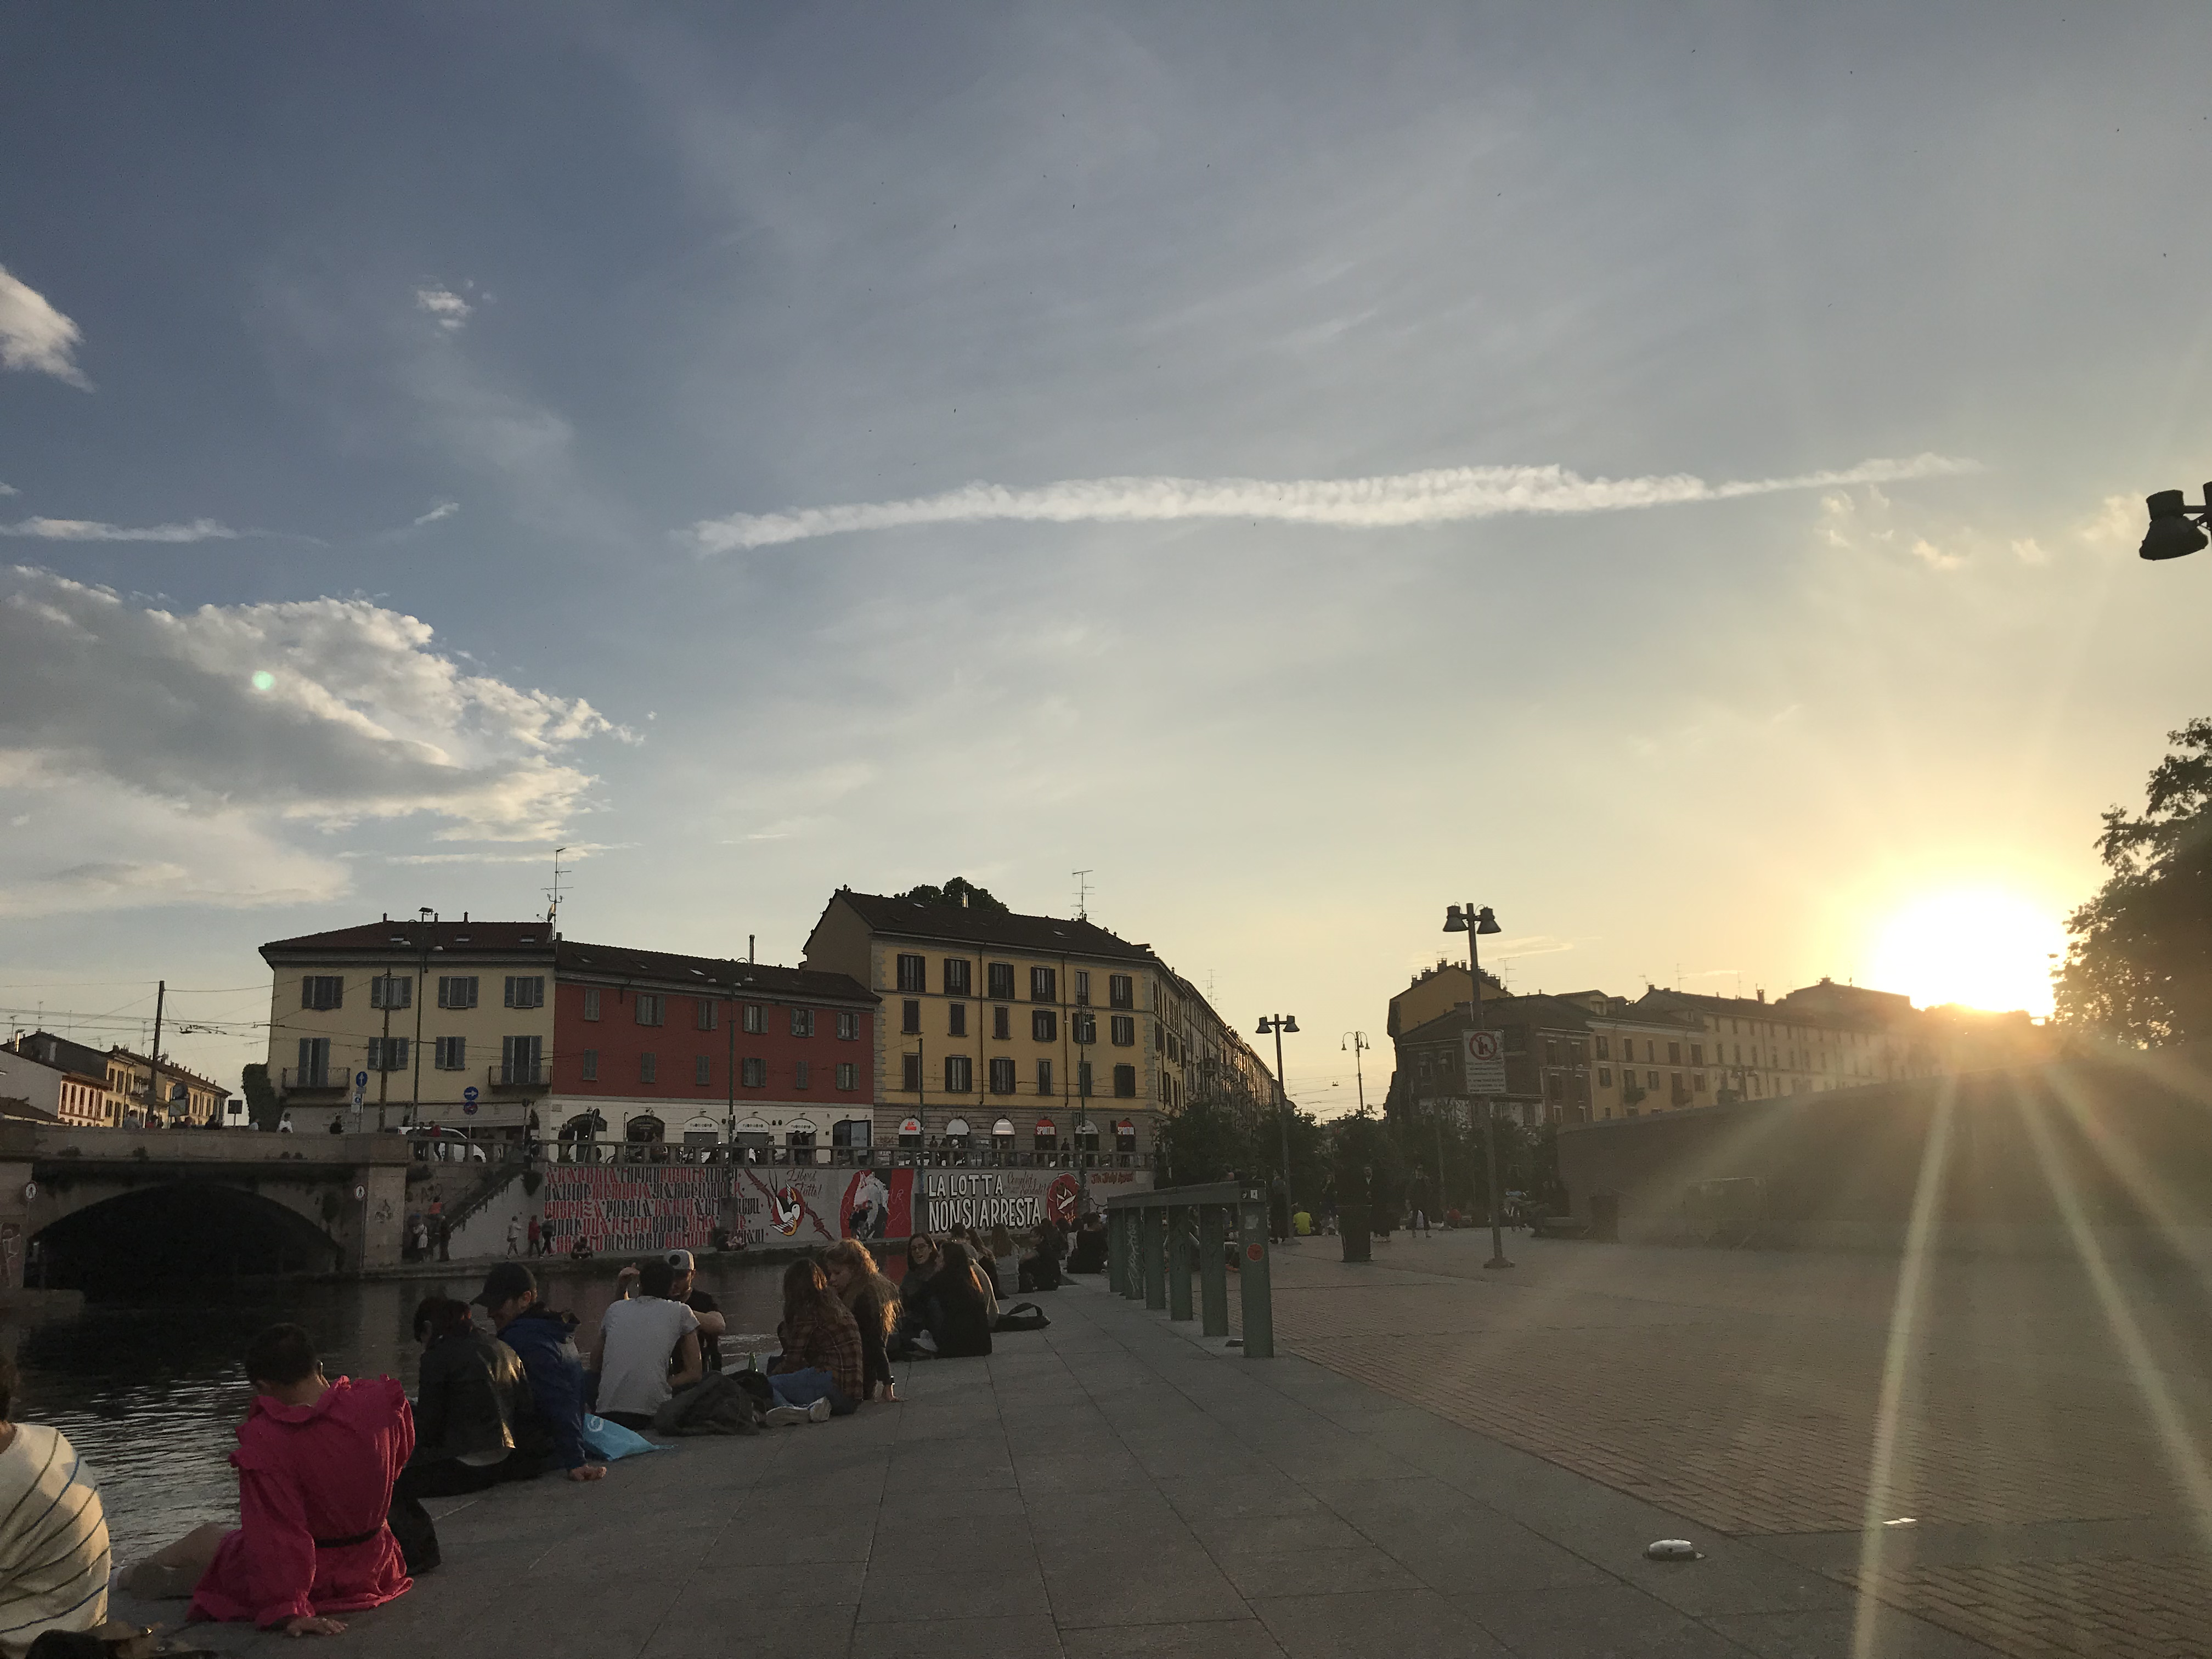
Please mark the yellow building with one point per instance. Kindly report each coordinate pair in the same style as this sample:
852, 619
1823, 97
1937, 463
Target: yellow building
1007, 1031
1435, 992
186, 1097
451, 1021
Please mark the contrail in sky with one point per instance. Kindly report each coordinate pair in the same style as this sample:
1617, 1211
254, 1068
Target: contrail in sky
1443, 496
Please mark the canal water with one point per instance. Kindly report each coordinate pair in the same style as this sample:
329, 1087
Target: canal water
152, 1396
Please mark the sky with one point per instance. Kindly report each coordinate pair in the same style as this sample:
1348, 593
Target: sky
1671, 475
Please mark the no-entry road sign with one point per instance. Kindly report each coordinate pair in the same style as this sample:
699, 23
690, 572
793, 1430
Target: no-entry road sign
1485, 1063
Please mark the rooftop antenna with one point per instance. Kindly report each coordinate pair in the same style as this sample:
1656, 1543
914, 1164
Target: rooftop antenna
1082, 893
553, 893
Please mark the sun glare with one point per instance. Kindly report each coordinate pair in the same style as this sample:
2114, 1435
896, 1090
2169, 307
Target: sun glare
1985, 947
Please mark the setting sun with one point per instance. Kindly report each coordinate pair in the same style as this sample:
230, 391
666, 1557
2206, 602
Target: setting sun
1985, 947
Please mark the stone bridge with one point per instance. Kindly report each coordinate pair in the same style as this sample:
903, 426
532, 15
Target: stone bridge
117, 1204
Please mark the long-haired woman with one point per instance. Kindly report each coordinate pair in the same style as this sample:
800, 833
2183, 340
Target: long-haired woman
960, 1315
873, 1302
817, 1375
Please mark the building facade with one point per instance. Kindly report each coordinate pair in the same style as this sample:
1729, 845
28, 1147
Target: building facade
706, 1052
188, 1100
1006, 1031
1545, 1043
64, 1080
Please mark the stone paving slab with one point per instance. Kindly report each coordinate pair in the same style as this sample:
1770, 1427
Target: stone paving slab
1111, 1486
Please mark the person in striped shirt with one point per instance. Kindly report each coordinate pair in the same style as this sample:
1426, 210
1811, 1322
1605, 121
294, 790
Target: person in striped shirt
53, 1533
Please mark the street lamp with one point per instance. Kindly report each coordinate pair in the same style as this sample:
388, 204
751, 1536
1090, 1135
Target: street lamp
2172, 534
1474, 922
1279, 1023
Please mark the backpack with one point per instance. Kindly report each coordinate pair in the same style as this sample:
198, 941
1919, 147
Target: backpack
1022, 1317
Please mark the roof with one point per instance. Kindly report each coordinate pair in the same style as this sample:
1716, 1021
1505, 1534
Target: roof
576, 958
1055, 936
404, 934
171, 1072
21, 1111
1752, 1008
1499, 1012
61, 1054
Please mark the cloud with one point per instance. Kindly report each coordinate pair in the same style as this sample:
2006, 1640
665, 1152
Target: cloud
9, 490
91, 530
1446, 496
324, 712
33, 336
449, 307
443, 510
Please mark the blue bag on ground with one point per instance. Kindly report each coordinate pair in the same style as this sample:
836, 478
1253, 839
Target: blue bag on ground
610, 1440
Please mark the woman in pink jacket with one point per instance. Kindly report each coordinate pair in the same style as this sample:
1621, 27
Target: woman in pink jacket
316, 1461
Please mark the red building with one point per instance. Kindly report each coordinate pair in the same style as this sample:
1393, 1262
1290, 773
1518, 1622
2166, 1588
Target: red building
649, 1046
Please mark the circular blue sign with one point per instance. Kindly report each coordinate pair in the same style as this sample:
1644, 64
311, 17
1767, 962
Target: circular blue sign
469, 1094
361, 1080
470, 1107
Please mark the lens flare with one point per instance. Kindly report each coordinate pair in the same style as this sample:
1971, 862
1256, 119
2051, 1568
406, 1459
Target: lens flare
263, 679
1985, 947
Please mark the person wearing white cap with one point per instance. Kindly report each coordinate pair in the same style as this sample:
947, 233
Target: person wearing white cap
685, 1289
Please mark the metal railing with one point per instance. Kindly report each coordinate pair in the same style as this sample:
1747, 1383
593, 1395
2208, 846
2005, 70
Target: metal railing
1151, 1238
843, 1157
522, 1075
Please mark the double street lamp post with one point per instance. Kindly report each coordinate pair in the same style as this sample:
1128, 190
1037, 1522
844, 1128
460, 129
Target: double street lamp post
1279, 1023
1475, 922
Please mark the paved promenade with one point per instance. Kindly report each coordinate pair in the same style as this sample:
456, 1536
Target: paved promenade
1105, 1487
2046, 1513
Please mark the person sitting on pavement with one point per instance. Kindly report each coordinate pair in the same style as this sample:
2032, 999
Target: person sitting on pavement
53, 1533
1090, 1253
873, 1301
819, 1374
1040, 1269
476, 1419
544, 1341
961, 1309
685, 1290
317, 1459
631, 1355
921, 1261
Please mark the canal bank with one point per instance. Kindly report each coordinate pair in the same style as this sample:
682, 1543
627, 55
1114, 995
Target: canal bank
1108, 1486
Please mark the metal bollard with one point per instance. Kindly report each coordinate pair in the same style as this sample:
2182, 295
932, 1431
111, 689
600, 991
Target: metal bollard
1212, 1271
1155, 1269
1117, 1252
1134, 1218
1179, 1261
1258, 1291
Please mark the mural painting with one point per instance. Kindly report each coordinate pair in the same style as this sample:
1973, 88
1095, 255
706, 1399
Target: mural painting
621, 1211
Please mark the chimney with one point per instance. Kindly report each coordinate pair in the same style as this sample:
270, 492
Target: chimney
1762, 996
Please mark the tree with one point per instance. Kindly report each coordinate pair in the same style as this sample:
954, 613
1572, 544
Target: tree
2139, 963
957, 892
262, 1106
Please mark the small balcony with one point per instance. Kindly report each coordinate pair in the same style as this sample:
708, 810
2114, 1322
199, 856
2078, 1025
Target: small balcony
521, 1078
312, 1084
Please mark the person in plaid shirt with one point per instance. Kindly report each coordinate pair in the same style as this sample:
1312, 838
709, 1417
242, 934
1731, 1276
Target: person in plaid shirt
818, 1374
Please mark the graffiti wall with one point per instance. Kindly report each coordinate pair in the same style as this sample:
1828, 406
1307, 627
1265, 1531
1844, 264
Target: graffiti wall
635, 1210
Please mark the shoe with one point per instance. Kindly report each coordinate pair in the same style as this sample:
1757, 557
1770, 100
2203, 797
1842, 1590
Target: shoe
778, 1416
819, 1411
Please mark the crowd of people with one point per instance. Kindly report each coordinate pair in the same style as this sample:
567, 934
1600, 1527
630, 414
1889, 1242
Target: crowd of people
332, 1471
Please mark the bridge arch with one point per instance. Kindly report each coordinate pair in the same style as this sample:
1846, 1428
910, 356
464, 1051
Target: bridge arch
108, 1243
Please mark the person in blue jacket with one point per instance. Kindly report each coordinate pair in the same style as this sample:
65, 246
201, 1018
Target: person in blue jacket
546, 1343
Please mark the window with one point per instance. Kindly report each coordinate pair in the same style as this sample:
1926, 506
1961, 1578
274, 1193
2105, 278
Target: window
314, 1063
387, 1054
1160, 1038
649, 1007
591, 1000
1517, 1040
1121, 990
1082, 986
956, 1020
802, 1022
702, 1071
1085, 1027
1083, 1079
1604, 1075
648, 1067
910, 1079
802, 1076
452, 1053
1674, 1054
591, 1065
912, 973
1653, 1080
1044, 1076
998, 978
1125, 1082
755, 1075
322, 991
1125, 1031
853, 1132
1044, 1024
1002, 1076
519, 1058
1698, 1082
848, 1075
706, 1017
1125, 1136
959, 1074
392, 991
910, 1017
1698, 1055
756, 1020
525, 990
957, 970
1044, 985
1604, 1049
1002, 1024
848, 1028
